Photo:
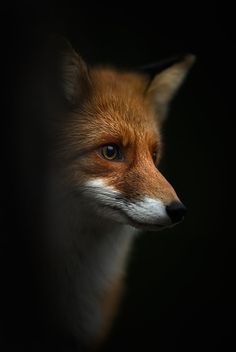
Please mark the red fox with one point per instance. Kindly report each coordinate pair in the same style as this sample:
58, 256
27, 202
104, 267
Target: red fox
105, 184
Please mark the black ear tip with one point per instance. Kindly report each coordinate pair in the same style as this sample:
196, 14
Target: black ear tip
190, 59
156, 67
59, 44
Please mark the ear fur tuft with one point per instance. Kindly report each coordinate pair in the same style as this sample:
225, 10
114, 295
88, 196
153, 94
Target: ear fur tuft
73, 71
166, 78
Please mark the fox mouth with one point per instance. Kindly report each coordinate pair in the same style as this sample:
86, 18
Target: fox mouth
145, 226
138, 224
143, 213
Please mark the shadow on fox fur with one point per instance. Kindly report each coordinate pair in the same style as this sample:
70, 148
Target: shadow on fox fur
103, 128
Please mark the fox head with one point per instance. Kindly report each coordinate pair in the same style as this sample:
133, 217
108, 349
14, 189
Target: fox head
110, 140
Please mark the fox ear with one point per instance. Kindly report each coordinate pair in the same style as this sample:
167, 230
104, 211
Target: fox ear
163, 86
74, 73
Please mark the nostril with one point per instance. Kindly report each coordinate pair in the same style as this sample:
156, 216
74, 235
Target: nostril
176, 211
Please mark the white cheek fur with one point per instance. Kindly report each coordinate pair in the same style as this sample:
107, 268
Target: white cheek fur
147, 210
106, 197
102, 189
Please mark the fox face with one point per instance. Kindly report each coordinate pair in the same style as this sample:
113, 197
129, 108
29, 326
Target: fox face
110, 141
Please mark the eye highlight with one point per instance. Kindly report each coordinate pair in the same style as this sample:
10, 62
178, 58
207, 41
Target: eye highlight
111, 152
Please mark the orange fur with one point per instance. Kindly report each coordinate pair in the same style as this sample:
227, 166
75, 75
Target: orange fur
119, 108
109, 304
117, 112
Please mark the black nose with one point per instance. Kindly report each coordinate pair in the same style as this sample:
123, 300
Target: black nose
176, 211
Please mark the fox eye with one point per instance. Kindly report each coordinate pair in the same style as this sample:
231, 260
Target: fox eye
111, 152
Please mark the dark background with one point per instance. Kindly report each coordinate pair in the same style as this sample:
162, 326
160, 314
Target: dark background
180, 284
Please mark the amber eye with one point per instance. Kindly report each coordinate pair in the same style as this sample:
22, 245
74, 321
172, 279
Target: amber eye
111, 152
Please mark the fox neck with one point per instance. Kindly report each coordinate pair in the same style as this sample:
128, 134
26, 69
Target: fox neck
91, 256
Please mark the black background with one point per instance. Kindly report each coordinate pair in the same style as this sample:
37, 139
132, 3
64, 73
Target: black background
180, 284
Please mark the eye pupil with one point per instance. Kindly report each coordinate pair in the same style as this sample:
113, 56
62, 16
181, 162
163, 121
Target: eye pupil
111, 152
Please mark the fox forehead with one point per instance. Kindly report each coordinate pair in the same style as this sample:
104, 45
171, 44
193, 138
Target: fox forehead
121, 95
116, 111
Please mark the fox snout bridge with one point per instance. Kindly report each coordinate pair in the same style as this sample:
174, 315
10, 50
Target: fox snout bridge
176, 211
